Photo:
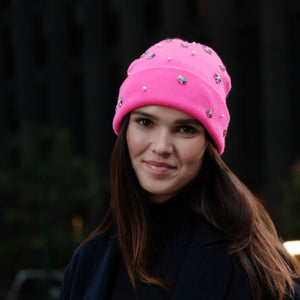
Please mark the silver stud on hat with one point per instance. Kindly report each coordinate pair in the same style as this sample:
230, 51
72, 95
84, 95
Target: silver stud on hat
144, 88
181, 79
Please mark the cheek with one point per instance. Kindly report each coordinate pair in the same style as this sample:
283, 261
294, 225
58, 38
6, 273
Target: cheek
192, 155
135, 141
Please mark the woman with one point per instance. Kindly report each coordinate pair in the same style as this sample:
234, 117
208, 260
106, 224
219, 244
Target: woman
180, 224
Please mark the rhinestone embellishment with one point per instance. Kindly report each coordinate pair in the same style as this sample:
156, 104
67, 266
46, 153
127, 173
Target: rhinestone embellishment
217, 78
144, 54
194, 52
184, 45
151, 55
209, 113
222, 67
207, 49
169, 40
144, 88
120, 102
225, 133
181, 79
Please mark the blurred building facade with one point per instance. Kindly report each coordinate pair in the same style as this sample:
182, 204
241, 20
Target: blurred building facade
62, 61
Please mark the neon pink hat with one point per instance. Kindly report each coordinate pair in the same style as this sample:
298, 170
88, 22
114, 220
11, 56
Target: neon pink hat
187, 76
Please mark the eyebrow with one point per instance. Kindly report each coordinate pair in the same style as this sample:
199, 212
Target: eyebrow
188, 122
144, 114
193, 122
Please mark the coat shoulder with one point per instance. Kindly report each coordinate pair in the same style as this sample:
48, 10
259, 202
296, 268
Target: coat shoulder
93, 246
88, 263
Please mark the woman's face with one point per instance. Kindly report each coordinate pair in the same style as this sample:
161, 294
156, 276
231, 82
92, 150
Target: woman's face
166, 148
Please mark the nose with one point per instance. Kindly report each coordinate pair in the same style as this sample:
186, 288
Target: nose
162, 143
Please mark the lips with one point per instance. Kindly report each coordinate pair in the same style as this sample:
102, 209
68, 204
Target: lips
159, 167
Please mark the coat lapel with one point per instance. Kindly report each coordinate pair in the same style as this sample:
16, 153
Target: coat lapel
206, 270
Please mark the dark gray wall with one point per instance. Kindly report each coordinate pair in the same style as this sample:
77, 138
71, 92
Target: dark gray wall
61, 63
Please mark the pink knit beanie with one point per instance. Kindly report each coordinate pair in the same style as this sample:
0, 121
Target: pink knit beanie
187, 76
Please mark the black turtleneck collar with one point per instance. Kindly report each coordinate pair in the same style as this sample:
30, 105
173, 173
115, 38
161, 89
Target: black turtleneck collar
171, 224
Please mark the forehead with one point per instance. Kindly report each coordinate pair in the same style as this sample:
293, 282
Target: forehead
164, 112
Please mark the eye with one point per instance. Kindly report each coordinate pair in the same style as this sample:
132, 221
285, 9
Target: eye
144, 122
187, 129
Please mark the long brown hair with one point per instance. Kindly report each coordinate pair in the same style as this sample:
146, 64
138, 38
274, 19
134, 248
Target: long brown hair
218, 196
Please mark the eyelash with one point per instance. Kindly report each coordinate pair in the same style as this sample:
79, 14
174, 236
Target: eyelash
144, 122
184, 129
187, 129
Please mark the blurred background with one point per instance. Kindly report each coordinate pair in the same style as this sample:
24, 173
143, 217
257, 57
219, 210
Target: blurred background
61, 64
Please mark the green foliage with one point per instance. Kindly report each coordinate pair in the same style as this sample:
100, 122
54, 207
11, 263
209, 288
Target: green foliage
291, 207
48, 194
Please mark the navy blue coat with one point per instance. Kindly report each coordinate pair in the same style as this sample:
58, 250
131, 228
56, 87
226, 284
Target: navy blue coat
207, 272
